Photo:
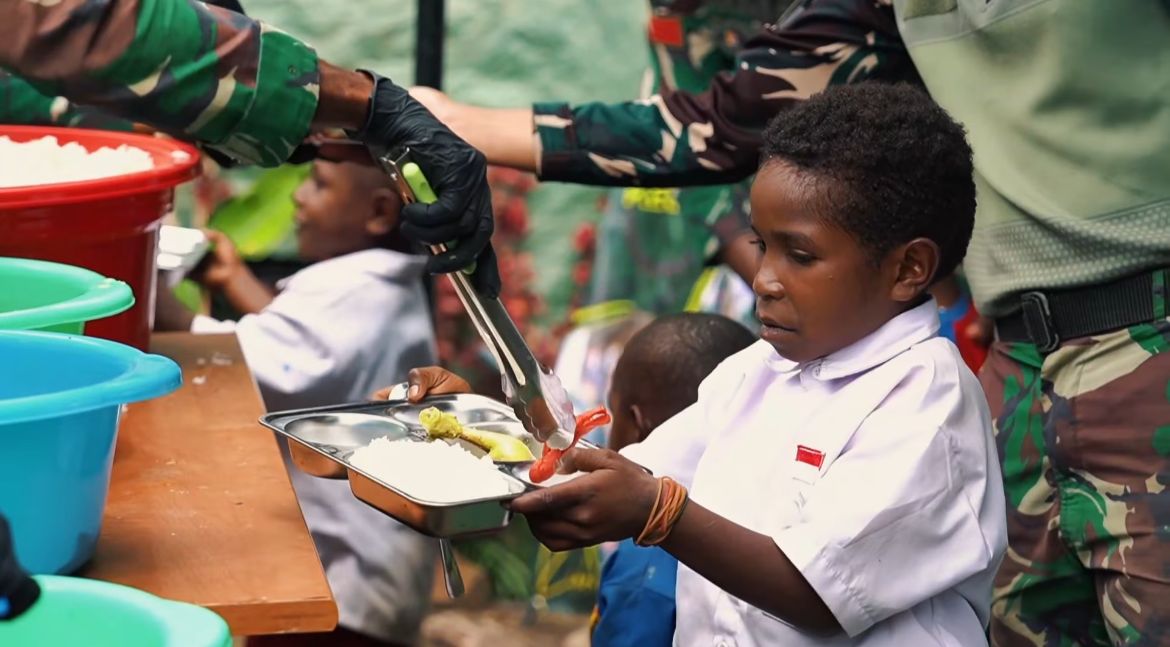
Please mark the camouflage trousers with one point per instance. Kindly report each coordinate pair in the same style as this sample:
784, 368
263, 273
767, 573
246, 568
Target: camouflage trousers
1084, 440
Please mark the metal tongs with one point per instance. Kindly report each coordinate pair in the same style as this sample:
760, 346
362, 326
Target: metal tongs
534, 393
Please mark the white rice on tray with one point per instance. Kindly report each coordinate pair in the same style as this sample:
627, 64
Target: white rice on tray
47, 161
435, 471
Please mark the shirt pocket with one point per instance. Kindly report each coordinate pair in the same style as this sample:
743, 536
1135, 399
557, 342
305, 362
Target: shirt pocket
782, 503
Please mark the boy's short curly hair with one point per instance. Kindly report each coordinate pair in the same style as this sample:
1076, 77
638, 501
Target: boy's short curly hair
888, 164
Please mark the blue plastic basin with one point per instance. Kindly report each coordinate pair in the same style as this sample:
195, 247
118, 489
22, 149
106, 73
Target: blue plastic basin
60, 401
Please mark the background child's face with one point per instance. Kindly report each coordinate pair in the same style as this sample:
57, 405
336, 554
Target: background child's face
340, 210
817, 290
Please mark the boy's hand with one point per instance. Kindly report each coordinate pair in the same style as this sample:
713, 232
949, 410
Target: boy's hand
611, 503
429, 380
223, 265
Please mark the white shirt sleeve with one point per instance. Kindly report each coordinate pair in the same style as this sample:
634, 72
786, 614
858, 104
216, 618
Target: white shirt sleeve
298, 344
895, 519
675, 447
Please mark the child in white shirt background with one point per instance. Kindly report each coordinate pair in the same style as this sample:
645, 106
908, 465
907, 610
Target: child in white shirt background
835, 483
357, 318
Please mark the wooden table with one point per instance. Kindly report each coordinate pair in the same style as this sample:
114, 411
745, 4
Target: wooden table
201, 509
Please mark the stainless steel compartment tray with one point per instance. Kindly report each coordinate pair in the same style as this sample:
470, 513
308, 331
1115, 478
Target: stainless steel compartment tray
322, 440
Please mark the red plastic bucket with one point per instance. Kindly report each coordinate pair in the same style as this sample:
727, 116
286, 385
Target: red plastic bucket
109, 225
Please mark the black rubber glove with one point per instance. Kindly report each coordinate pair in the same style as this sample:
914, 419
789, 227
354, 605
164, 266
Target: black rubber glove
456, 171
230, 5
18, 591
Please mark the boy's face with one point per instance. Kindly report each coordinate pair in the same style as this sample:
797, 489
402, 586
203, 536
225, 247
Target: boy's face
341, 208
817, 289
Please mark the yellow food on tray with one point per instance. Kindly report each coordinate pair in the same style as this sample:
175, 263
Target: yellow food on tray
500, 447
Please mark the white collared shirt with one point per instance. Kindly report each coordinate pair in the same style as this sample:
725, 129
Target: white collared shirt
338, 330
873, 469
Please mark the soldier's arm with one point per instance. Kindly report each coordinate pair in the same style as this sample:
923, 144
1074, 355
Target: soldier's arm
183, 67
21, 103
680, 139
676, 138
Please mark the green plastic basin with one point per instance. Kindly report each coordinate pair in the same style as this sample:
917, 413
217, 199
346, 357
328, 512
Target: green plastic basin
38, 295
79, 612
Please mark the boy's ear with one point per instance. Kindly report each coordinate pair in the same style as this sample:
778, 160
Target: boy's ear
641, 422
917, 263
386, 207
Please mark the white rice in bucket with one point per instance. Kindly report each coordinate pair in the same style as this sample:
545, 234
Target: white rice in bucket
435, 471
47, 161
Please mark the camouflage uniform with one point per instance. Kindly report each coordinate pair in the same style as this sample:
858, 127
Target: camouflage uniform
1084, 437
208, 74
21, 103
680, 139
655, 244
1069, 200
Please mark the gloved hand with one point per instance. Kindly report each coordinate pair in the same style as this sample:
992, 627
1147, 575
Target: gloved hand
456, 171
18, 591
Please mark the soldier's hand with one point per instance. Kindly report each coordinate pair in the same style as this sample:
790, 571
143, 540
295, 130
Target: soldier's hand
434, 100
456, 171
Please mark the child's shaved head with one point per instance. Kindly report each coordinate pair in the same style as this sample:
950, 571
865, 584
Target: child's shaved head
661, 368
343, 207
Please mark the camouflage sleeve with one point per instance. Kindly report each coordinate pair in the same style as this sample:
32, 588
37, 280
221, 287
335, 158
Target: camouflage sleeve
678, 139
215, 76
22, 104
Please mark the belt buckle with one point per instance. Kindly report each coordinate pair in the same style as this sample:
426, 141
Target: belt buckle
1038, 321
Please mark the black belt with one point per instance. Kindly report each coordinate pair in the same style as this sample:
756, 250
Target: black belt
1048, 318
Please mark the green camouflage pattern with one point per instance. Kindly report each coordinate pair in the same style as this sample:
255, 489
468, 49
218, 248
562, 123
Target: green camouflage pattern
713, 35
673, 235
1084, 440
654, 244
195, 71
21, 103
825, 42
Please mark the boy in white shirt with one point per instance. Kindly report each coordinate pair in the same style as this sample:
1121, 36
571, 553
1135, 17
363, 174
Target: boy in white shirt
355, 319
843, 485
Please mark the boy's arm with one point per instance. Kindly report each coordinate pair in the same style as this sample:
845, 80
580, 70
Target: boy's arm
224, 271
744, 563
912, 509
247, 294
750, 566
680, 139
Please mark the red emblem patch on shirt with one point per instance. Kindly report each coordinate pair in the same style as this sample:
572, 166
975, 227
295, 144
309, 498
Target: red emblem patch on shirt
814, 457
666, 30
